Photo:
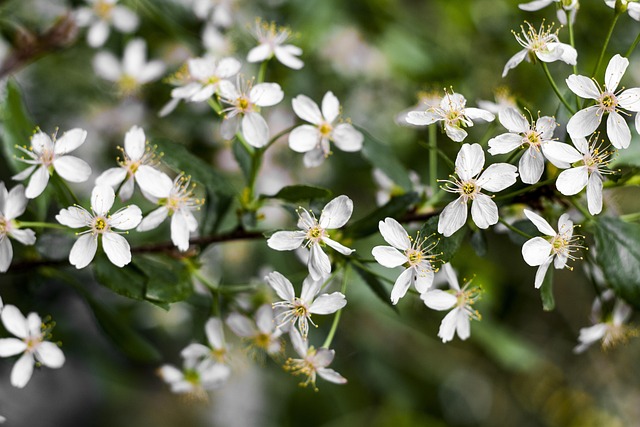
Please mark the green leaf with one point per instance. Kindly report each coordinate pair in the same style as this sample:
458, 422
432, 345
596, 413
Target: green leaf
618, 255
243, 157
297, 193
168, 279
127, 281
479, 243
17, 125
447, 246
374, 283
395, 208
382, 157
546, 292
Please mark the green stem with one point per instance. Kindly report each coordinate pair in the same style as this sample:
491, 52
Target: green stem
633, 46
433, 158
524, 190
209, 284
555, 87
215, 105
606, 44
630, 217
573, 45
336, 319
262, 72
514, 229
279, 135
35, 224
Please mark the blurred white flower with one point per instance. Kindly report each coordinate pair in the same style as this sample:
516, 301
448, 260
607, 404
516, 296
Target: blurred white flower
454, 114
414, 253
100, 15
263, 333
271, 41
31, 341
469, 184
312, 362
542, 44
630, 6
100, 223
217, 12
348, 52
12, 204
426, 101
314, 139
334, 215
459, 301
608, 101
47, 154
133, 71
565, 8
217, 352
611, 330
215, 43
503, 99
299, 309
556, 247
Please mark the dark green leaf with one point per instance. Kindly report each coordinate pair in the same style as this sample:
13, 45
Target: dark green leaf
297, 193
447, 246
382, 157
479, 243
374, 283
546, 292
17, 125
525, 226
127, 281
169, 280
618, 255
243, 157
395, 208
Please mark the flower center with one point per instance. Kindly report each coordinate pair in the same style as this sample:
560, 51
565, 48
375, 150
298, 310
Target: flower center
243, 104
212, 80
218, 354
103, 9
608, 101
325, 129
300, 309
315, 233
262, 340
100, 225
414, 256
127, 84
558, 244
4, 226
533, 138
468, 188
32, 343
191, 376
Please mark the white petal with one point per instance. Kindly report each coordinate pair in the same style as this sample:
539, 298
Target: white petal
484, 211
462, 324
513, 120
330, 107
504, 143
11, 346
594, 194
22, 371
266, 94
336, 213
102, 198
24, 174
423, 276
314, 157
264, 318
112, 177
422, 118
38, 182
117, 249
541, 272
151, 71
307, 109
69, 141
540, 223
72, 168
453, 217
83, 251
456, 133
394, 234
288, 55
228, 67
304, 138
299, 345
215, 335
259, 53
584, 122
15, 203
328, 303
14, 322
240, 325
180, 231
74, 217
388, 257
448, 326
24, 236
98, 34
572, 181
134, 57
630, 99
50, 355
479, 114
286, 240
107, 66
618, 130
347, 138
561, 154
124, 19
203, 94
536, 251
531, 166
615, 70
535, 5
228, 90
6, 254
255, 129
583, 86
513, 62
281, 285
126, 218
331, 376
469, 161
546, 125
135, 142
153, 182
154, 219
337, 246
401, 286
41, 142
440, 300
319, 264
498, 176
126, 190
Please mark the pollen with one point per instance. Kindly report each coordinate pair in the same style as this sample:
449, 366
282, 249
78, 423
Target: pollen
468, 188
100, 225
325, 129
103, 9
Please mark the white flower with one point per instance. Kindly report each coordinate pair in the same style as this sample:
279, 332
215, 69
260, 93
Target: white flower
503, 99
405, 251
611, 330
541, 44
31, 334
536, 137
314, 139
585, 168
200, 80
196, 377
426, 100
246, 101
12, 204
100, 223
136, 153
216, 352
300, 309
271, 41
453, 113
263, 333
175, 198
557, 247
47, 154
334, 215
468, 184
586, 121
631, 6
101, 15
312, 362
565, 7
133, 71
459, 301
217, 12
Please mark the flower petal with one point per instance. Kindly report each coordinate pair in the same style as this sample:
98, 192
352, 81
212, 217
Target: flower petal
561, 154
72, 168
615, 70
438, 299
154, 219
572, 181
266, 94
241, 325
288, 55
255, 129
307, 109
513, 62
540, 223
74, 217
536, 251
14, 322
286, 240
453, 217
69, 141
126, 218
504, 143
15, 203
117, 249
11, 346
102, 198
513, 120
594, 194
469, 161
388, 257
541, 272
618, 130
83, 250
38, 182
347, 138
337, 246
394, 234
401, 286
448, 326
328, 303
484, 211
330, 107
531, 166
50, 355
584, 122
630, 99
422, 118
498, 176
583, 86
112, 177
22, 371
135, 143
6, 254
336, 213
281, 285
304, 138
214, 332
318, 264
180, 231
331, 376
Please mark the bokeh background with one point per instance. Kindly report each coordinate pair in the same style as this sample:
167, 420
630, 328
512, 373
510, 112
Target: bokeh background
517, 369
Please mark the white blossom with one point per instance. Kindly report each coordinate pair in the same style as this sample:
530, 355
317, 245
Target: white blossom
263, 333
542, 44
47, 154
503, 99
32, 342
312, 363
196, 377
454, 114
101, 225
414, 254
217, 12
134, 70
469, 183
608, 101
12, 204
245, 101
565, 8
334, 215
271, 41
175, 198
101, 15
314, 139
611, 329
632, 7
557, 247
299, 309
459, 301
217, 352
